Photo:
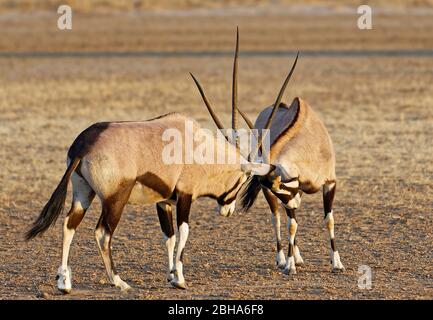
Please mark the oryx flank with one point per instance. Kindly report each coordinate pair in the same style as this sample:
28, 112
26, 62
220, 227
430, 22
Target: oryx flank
302, 160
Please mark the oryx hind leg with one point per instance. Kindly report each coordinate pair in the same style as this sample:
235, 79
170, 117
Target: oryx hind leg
111, 211
276, 222
328, 199
82, 197
165, 217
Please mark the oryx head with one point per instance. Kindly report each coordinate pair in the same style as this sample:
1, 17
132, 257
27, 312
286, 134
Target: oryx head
270, 175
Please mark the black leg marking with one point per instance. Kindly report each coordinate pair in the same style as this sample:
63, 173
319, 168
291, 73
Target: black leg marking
291, 251
333, 247
165, 217
328, 196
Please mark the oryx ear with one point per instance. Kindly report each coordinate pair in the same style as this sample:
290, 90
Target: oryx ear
257, 169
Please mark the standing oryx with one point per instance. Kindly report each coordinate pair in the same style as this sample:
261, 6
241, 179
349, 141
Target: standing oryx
123, 162
302, 159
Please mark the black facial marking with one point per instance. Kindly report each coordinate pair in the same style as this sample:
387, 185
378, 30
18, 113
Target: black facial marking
222, 199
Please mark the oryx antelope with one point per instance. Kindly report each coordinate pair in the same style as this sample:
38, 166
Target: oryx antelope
302, 160
122, 162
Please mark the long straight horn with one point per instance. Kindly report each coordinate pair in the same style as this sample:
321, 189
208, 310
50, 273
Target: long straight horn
206, 102
235, 89
276, 106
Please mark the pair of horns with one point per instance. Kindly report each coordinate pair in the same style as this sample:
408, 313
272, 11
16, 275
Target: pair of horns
234, 95
235, 108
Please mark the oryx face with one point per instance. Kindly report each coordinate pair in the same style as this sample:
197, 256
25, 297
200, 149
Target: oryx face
227, 201
227, 210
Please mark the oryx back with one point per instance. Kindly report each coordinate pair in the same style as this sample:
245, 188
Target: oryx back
301, 144
128, 155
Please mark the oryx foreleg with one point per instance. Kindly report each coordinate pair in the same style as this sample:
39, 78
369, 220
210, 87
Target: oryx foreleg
292, 226
276, 221
183, 207
328, 198
165, 216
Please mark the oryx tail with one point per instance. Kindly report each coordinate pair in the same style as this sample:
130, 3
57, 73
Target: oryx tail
54, 206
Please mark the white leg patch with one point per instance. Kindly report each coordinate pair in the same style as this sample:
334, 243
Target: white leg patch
64, 282
336, 263
290, 266
295, 202
120, 283
281, 259
170, 244
298, 259
179, 281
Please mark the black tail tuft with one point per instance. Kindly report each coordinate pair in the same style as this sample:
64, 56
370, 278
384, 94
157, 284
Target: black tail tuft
54, 206
250, 192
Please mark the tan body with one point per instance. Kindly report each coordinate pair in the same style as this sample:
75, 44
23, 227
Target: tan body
303, 154
301, 144
130, 154
124, 162
301, 160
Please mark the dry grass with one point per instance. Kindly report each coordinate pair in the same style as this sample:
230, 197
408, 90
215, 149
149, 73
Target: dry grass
379, 112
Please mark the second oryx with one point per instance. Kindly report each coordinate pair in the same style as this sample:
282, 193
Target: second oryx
302, 160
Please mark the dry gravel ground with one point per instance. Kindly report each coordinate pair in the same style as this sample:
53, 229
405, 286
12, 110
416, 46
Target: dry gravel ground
379, 111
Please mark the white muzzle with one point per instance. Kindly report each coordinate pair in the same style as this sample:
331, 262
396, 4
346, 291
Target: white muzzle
227, 210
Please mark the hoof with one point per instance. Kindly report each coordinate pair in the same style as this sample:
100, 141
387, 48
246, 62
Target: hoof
299, 262
338, 270
65, 290
63, 277
178, 285
289, 272
281, 266
124, 286
119, 283
280, 260
170, 276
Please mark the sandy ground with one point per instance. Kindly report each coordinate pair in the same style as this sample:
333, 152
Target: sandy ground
379, 111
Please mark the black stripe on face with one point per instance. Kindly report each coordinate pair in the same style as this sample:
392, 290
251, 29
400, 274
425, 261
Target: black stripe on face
222, 199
